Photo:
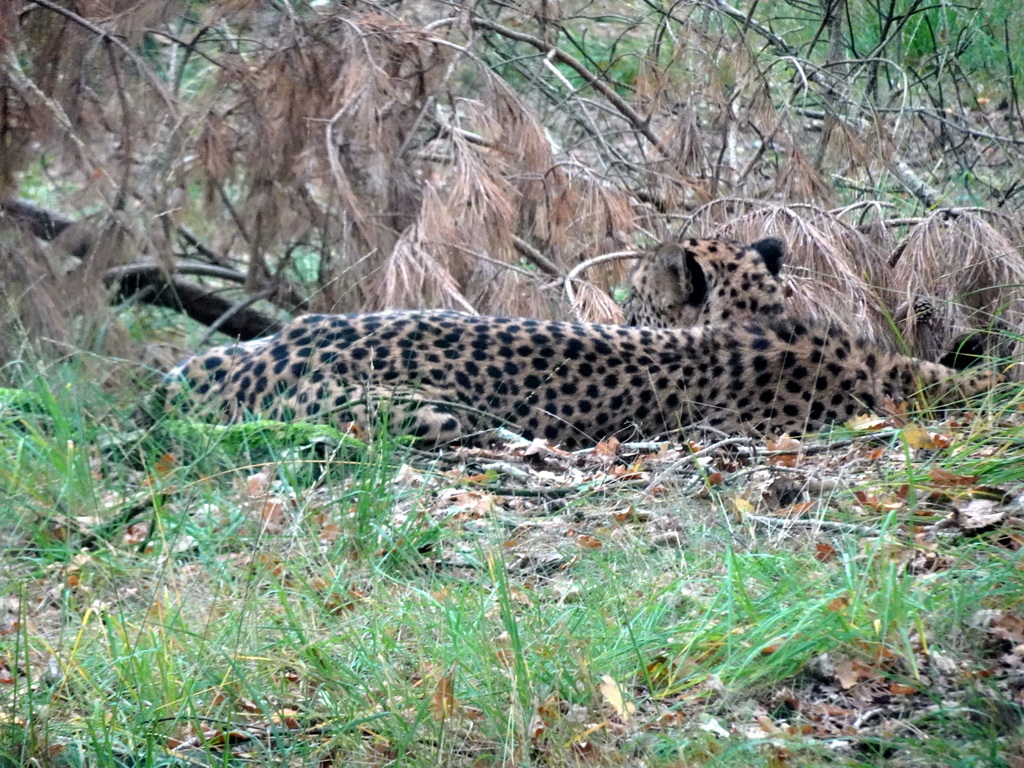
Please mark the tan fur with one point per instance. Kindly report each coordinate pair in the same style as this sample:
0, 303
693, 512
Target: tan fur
445, 376
705, 282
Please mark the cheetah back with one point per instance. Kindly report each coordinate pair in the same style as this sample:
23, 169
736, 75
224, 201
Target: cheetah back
448, 376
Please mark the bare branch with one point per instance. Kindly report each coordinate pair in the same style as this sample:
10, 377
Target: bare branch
639, 123
147, 74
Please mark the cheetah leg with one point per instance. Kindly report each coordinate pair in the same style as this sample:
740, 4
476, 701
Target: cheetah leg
421, 413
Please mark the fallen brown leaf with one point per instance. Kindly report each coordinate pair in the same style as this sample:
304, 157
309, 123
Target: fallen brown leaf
899, 689
785, 443
443, 702
849, 672
867, 422
838, 604
795, 510
877, 503
944, 477
714, 478
165, 464
607, 448
917, 436
823, 552
612, 693
743, 507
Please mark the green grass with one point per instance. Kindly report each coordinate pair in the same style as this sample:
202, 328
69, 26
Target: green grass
269, 605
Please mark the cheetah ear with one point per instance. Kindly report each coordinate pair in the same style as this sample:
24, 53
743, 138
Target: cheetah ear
695, 279
773, 251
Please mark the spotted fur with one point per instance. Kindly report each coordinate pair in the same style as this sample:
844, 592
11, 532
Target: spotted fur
447, 376
706, 282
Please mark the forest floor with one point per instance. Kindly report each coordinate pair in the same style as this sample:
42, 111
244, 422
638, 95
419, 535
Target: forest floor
287, 595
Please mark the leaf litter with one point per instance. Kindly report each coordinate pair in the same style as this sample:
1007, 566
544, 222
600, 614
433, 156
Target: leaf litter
550, 509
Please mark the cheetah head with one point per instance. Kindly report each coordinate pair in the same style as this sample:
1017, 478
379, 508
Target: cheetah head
701, 282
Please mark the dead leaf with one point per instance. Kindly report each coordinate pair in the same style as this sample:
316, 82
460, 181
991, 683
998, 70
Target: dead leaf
607, 448
899, 689
897, 412
877, 503
785, 443
136, 533
917, 436
823, 552
471, 505
443, 702
612, 693
353, 429
217, 737
257, 483
620, 472
588, 542
795, 510
867, 422
743, 507
250, 706
289, 718
273, 516
164, 464
849, 672
838, 604
879, 652
536, 728
944, 477
329, 532
631, 515
978, 515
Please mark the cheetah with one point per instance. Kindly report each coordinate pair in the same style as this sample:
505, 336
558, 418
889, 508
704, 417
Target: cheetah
695, 282
702, 282
444, 376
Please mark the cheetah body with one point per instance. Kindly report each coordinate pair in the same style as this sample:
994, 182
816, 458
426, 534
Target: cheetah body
445, 376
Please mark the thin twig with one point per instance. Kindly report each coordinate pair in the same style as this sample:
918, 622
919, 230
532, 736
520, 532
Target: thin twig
640, 123
234, 310
536, 256
146, 73
801, 522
